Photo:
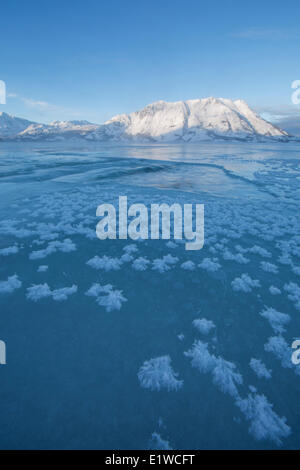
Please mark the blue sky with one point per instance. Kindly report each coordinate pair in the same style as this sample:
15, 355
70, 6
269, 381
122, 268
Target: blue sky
94, 59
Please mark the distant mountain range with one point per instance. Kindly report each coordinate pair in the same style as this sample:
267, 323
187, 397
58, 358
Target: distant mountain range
182, 121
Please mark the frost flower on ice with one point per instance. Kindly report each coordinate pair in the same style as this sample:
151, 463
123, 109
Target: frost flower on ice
132, 248
43, 268
157, 374
260, 369
203, 325
244, 283
171, 244
296, 270
63, 293
106, 263
239, 257
224, 374
285, 259
96, 289
112, 301
106, 296
201, 358
294, 293
12, 283
140, 264
281, 350
269, 267
276, 319
258, 250
210, 265
10, 250
158, 443
170, 259
126, 258
274, 290
40, 291
226, 377
188, 266
265, 423
164, 264
66, 246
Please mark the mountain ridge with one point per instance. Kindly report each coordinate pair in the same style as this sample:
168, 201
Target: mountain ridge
181, 121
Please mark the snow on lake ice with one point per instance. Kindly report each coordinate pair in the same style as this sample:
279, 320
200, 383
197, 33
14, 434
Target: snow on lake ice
106, 338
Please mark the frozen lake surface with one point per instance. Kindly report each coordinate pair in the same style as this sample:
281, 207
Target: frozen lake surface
121, 345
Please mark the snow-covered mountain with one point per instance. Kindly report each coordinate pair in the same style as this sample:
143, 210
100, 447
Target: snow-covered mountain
57, 130
14, 128
185, 121
11, 125
193, 120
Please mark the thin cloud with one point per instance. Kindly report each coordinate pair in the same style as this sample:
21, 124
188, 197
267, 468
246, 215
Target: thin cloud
44, 108
286, 117
281, 111
31, 103
38, 104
